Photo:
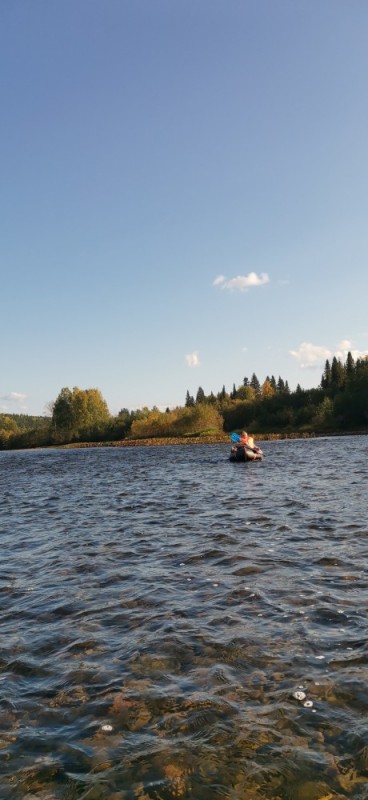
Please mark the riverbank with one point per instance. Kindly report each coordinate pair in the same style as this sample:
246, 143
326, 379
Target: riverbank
158, 442
213, 439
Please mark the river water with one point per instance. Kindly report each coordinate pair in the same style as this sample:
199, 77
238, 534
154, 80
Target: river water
174, 625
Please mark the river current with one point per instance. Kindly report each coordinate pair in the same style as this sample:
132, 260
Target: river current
174, 625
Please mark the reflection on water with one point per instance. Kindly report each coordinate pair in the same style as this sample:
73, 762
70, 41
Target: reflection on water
177, 626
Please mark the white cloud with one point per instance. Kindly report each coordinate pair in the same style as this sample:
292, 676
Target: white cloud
14, 397
192, 359
14, 402
345, 347
242, 282
310, 355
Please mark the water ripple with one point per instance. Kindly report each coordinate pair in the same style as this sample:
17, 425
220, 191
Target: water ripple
162, 612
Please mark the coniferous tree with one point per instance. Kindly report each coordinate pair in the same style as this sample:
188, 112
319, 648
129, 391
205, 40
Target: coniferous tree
326, 377
222, 395
255, 384
189, 400
349, 365
360, 366
200, 396
234, 392
337, 374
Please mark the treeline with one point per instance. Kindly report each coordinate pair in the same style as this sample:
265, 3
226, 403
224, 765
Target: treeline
339, 404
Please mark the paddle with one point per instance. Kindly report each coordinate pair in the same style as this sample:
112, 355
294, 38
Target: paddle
235, 437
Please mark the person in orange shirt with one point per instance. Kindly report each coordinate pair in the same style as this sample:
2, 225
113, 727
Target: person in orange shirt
248, 442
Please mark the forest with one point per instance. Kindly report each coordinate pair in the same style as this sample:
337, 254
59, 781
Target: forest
269, 409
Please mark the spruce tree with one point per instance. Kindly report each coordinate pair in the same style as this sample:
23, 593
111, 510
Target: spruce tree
200, 396
222, 395
255, 384
349, 365
189, 400
337, 374
326, 377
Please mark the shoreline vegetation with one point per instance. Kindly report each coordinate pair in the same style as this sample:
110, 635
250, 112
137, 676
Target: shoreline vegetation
220, 439
190, 440
81, 418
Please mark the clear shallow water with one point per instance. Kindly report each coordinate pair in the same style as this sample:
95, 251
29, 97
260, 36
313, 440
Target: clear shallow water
161, 606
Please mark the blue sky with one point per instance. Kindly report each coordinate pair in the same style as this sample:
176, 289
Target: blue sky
183, 195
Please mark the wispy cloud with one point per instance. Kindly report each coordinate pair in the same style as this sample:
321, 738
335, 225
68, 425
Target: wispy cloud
310, 356
192, 359
13, 402
17, 397
242, 282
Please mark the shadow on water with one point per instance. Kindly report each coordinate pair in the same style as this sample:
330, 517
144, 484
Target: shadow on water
177, 626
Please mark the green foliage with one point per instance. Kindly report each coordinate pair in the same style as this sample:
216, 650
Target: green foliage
338, 374
79, 413
339, 404
211, 399
8, 428
26, 422
200, 396
326, 377
189, 400
323, 415
246, 392
188, 421
20, 431
62, 415
254, 382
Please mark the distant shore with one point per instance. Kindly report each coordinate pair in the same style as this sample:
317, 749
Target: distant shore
215, 439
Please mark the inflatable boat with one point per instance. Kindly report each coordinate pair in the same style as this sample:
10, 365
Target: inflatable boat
242, 453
